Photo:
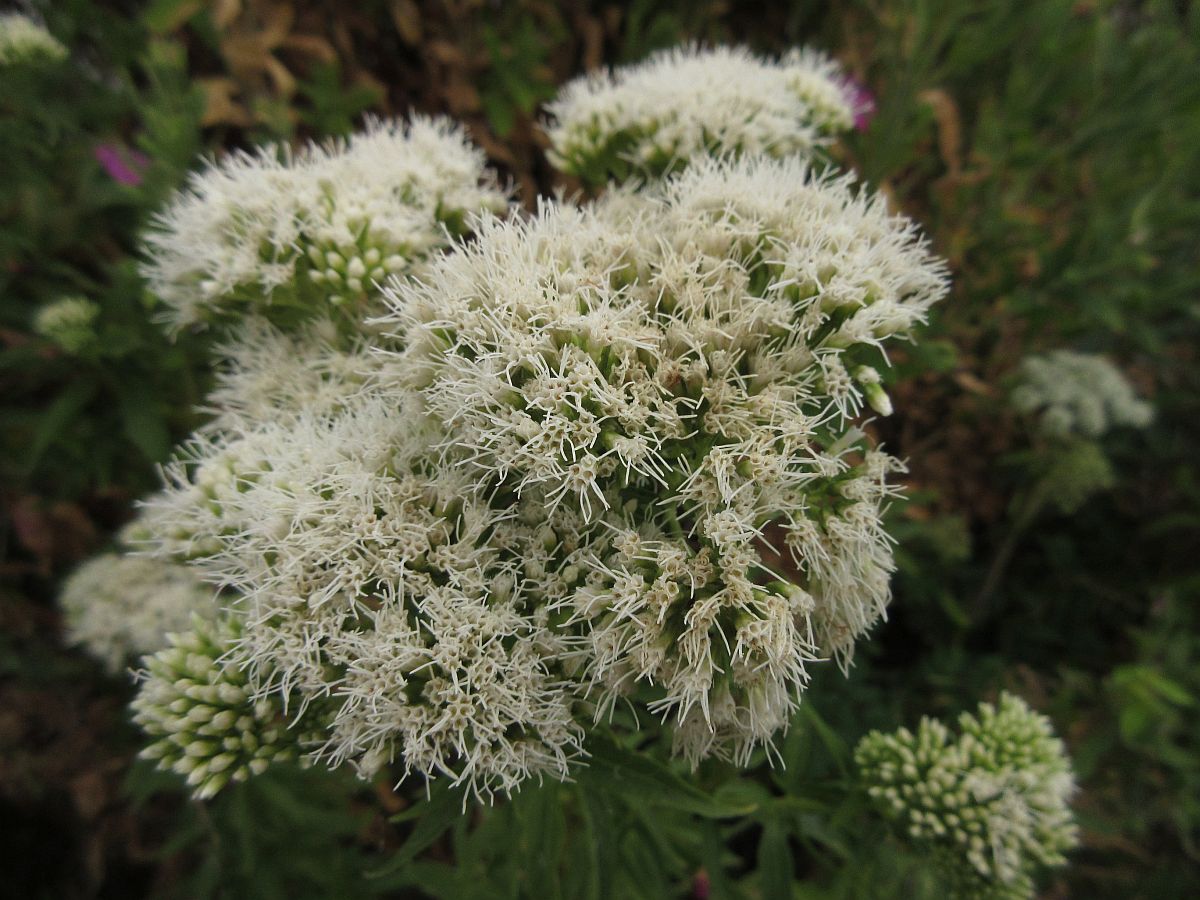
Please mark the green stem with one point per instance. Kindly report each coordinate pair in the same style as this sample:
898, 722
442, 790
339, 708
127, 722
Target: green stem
1026, 514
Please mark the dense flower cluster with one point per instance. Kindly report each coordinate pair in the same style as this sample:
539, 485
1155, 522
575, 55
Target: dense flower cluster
614, 452
365, 571
120, 607
24, 40
297, 235
601, 454
1078, 394
992, 803
684, 104
69, 322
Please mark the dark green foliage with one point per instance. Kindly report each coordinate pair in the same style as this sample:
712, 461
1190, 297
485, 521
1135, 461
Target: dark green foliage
287, 835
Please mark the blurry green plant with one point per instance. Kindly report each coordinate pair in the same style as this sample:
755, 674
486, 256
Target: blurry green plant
1138, 755
518, 78
93, 393
331, 107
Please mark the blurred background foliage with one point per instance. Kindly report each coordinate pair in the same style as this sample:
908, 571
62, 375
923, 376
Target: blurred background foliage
1051, 149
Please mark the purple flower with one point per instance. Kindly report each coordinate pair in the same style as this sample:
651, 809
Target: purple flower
862, 101
122, 164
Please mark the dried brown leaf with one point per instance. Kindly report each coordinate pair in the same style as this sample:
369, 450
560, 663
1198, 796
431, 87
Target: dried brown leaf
406, 16
461, 97
310, 45
225, 12
220, 107
949, 127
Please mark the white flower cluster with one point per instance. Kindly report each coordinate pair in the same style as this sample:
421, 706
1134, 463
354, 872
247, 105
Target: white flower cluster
1078, 394
205, 724
120, 607
69, 322
604, 453
614, 454
294, 236
688, 103
24, 40
365, 572
992, 803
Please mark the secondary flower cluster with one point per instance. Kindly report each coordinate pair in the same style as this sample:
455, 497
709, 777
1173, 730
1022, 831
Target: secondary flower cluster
70, 322
24, 40
1078, 394
992, 803
685, 104
605, 453
292, 236
120, 607
365, 572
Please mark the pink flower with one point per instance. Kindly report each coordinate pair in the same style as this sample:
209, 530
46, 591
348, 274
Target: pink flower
122, 164
861, 100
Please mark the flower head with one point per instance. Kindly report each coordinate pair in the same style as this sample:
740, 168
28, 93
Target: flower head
292, 236
69, 322
682, 104
671, 370
1078, 393
124, 166
369, 572
992, 802
862, 100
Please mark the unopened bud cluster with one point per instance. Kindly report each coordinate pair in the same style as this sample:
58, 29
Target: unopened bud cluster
992, 802
198, 709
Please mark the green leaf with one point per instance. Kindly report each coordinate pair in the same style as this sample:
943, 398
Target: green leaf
829, 738
649, 783
163, 16
774, 861
600, 843
443, 808
60, 414
742, 793
716, 858
144, 426
539, 814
